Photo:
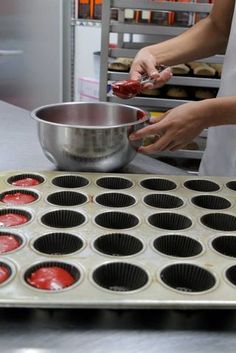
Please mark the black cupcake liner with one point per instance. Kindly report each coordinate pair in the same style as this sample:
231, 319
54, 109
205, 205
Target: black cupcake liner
70, 181
118, 244
115, 183
120, 277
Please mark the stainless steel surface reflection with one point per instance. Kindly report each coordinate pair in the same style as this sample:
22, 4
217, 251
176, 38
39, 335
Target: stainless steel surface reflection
89, 136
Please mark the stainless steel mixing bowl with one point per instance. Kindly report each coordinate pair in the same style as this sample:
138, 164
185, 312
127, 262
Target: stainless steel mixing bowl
93, 137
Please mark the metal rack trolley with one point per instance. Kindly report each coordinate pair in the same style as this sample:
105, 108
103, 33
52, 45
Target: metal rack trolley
128, 48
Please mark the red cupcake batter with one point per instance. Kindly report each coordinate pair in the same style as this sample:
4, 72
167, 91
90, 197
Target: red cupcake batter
12, 219
18, 198
8, 243
26, 182
52, 278
4, 273
126, 89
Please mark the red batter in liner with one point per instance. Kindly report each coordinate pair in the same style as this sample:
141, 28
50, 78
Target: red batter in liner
18, 198
26, 182
8, 243
51, 278
12, 219
4, 273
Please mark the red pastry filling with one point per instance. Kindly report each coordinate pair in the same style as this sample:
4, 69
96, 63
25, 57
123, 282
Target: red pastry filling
4, 274
18, 198
8, 243
26, 182
52, 278
12, 219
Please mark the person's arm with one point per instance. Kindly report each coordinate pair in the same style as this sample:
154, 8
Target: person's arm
206, 38
182, 124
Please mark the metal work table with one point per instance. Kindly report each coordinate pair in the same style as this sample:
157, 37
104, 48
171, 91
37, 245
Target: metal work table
98, 331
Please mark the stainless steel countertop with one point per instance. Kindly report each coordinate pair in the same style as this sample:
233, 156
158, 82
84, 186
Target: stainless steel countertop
98, 331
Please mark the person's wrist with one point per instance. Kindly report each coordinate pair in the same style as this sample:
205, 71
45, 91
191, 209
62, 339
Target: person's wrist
208, 112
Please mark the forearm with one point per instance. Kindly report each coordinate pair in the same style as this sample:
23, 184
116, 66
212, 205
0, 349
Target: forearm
202, 40
218, 111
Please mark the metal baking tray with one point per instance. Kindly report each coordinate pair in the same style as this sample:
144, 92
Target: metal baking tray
129, 240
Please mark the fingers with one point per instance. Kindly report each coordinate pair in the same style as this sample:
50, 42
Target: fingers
148, 130
162, 139
165, 76
161, 144
160, 78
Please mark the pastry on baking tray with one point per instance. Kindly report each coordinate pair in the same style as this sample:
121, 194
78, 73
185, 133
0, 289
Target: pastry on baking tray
218, 68
192, 146
202, 69
155, 92
177, 92
121, 64
204, 93
180, 69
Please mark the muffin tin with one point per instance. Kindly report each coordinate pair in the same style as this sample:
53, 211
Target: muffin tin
129, 240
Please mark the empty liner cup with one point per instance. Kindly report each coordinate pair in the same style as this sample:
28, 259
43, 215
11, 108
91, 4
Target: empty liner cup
168, 220
231, 274
116, 220
67, 198
118, 244
187, 278
120, 277
219, 221
202, 185
63, 219
231, 185
163, 201
58, 244
115, 200
70, 181
225, 245
211, 202
115, 183
158, 184
177, 245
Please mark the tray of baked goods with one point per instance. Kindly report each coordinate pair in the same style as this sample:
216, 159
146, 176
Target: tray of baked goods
89, 240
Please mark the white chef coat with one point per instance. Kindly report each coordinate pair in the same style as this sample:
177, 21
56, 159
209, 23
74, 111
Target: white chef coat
219, 158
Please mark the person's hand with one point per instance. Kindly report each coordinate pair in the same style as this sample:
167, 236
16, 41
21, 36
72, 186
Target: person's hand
174, 130
145, 63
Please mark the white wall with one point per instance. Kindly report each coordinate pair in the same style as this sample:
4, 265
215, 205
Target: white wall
87, 41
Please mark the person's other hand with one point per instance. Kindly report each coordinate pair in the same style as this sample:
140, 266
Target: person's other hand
145, 63
174, 130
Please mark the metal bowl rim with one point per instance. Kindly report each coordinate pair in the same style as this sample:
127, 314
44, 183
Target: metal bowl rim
145, 118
